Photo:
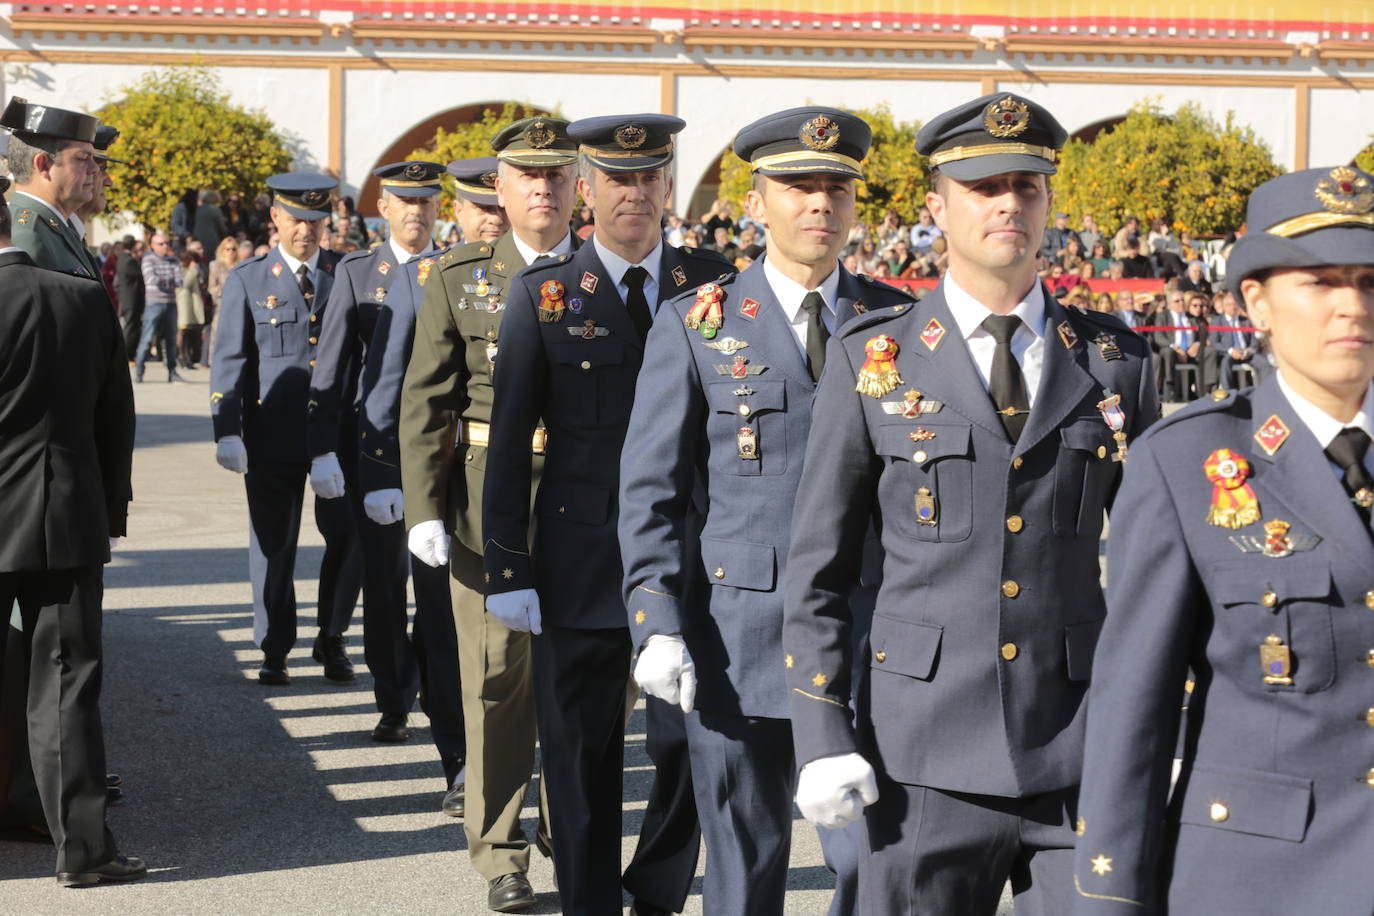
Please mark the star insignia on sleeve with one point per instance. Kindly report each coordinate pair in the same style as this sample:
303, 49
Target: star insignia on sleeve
508, 574
639, 616
788, 661
486, 577
820, 680
1102, 865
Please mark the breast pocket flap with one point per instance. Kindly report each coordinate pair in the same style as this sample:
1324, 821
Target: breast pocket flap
762, 395
1088, 437
739, 564
1248, 801
589, 354
279, 315
1243, 583
905, 647
922, 445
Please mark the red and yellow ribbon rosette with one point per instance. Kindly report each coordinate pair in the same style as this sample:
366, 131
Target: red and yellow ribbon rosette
550, 301
1234, 504
705, 315
879, 373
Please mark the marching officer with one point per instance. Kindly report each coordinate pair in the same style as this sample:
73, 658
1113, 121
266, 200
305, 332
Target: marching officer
445, 412
269, 328
346, 363
65, 498
52, 159
1241, 550
480, 218
983, 427
723, 402
572, 341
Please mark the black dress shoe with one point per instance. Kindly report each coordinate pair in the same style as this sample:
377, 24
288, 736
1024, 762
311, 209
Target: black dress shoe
120, 868
640, 908
329, 651
273, 671
510, 893
455, 800
112, 781
113, 795
391, 728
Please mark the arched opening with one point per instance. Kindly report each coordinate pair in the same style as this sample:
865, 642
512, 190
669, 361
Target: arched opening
707, 188
1089, 134
423, 134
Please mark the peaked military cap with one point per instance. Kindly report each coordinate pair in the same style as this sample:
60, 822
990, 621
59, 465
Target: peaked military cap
993, 135
1312, 218
27, 119
476, 179
411, 179
627, 143
105, 134
811, 139
305, 195
540, 142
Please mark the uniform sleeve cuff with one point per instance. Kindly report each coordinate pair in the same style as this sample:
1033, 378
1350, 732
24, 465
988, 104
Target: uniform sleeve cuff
653, 613
506, 570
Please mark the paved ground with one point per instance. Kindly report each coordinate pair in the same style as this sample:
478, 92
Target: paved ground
251, 800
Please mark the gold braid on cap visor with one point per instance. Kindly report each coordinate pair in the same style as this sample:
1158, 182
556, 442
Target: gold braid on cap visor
954, 154
779, 161
598, 153
1322, 219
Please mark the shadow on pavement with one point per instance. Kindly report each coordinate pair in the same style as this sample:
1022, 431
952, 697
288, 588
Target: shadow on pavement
158, 429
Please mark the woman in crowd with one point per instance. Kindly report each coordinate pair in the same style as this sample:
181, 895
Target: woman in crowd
226, 256
190, 310
235, 219
868, 256
1072, 256
1241, 555
891, 231
1101, 261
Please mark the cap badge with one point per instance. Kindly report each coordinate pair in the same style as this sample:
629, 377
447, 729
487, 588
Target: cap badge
1234, 503
820, 133
313, 197
539, 135
489, 179
1344, 190
1006, 118
415, 171
631, 136
879, 375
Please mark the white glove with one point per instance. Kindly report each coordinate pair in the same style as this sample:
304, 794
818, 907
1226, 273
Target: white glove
326, 477
429, 542
665, 670
114, 542
384, 506
833, 791
518, 610
231, 454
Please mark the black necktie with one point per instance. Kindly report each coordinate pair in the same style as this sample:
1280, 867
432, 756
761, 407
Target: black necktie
636, 303
303, 281
1347, 450
816, 333
540, 258
1006, 384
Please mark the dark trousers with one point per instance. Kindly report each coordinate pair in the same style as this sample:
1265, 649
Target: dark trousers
276, 497
159, 320
665, 859
580, 678
436, 651
61, 614
933, 853
131, 323
1206, 361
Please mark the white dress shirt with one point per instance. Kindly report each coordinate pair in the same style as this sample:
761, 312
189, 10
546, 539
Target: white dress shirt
1027, 344
529, 254
294, 266
616, 266
1325, 427
405, 257
790, 294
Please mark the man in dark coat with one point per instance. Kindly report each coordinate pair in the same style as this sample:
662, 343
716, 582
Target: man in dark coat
129, 290
64, 490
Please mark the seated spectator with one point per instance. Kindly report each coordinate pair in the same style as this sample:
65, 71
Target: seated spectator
851, 263
1236, 346
899, 258
748, 256
1135, 266
1101, 262
1115, 270
924, 233
1086, 271
1185, 344
690, 239
1090, 235
1105, 303
1056, 240
721, 215
1130, 232
1058, 281
722, 242
673, 229
1189, 251
939, 257
882, 271
1076, 297
1071, 256
868, 257
891, 231
749, 236
1195, 279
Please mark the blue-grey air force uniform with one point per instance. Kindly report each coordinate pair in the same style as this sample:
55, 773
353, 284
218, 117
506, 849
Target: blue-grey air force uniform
362, 356
264, 354
582, 385
690, 411
1270, 813
989, 608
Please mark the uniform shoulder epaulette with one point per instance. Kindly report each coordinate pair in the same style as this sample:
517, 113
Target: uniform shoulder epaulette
375, 245
876, 316
875, 283
548, 264
1104, 319
704, 253
686, 298
465, 253
255, 259
1218, 401
358, 255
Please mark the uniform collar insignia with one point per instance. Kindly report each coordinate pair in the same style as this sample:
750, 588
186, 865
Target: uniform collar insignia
1272, 435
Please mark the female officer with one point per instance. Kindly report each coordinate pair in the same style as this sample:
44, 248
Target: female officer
1241, 551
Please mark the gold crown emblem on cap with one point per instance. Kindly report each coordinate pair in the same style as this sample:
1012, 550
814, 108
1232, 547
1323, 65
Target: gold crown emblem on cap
631, 136
1006, 118
1345, 190
313, 198
820, 133
539, 135
415, 171
489, 179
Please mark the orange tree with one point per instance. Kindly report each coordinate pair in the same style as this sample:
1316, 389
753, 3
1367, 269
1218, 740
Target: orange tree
1365, 158
1185, 167
179, 130
466, 141
895, 175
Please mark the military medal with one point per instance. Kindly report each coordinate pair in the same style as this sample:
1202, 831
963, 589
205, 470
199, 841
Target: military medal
588, 331
705, 315
379, 293
1067, 335
493, 303
912, 405
498, 266
425, 267
1106, 346
1234, 504
383, 267
740, 368
491, 358
1278, 543
859, 307
479, 273
1277, 662
932, 334
1363, 498
575, 305
589, 281
727, 345
749, 308
748, 443
879, 373
679, 275
271, 302
926, 511
1272, 434
550, 301
920, 434
276, 270
1115, 418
